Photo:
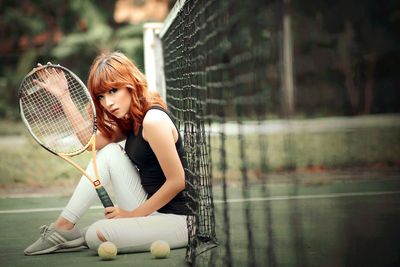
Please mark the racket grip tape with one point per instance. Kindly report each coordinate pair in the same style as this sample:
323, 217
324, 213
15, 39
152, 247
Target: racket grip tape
104, 197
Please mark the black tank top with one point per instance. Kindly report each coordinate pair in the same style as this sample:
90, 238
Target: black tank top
151, 175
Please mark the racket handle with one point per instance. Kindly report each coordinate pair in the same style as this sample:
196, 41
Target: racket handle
104, 197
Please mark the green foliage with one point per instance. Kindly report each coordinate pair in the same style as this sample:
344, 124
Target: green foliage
99, 36
345, 55
31, 30
344, 64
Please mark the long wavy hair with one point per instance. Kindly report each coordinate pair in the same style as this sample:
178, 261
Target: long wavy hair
115, 70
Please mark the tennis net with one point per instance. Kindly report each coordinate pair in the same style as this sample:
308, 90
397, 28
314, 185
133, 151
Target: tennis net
227, 71
220, 69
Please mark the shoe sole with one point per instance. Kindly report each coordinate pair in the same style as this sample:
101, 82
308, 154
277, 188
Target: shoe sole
67, 246
61, 250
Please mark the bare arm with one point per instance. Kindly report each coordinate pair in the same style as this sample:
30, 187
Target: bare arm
56, 83
102, 141
161, 134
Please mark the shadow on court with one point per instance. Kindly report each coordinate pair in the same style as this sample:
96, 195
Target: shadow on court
347, 222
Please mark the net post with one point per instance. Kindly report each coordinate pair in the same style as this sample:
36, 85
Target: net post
153, 60
287, 61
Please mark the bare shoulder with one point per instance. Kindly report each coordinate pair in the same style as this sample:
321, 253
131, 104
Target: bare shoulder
158, 125
155, 117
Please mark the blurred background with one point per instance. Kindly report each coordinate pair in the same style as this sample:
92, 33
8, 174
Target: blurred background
70, 33
345, 65
300, 101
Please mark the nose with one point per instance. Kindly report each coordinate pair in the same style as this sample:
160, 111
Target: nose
109, 101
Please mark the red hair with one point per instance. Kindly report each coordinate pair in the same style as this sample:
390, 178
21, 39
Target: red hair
115, 70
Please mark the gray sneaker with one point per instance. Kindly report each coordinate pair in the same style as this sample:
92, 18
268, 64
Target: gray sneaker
52, 240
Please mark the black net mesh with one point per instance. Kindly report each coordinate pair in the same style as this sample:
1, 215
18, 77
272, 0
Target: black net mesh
254, 161
217, 62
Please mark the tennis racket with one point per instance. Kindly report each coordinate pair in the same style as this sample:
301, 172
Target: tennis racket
59, 113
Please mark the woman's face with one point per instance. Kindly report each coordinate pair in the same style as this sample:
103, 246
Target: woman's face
116, 101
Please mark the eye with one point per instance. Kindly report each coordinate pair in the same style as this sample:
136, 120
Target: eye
112, 90
99, 97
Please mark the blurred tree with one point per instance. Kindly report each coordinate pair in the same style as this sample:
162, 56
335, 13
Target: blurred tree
351, 39
346, 53
97, 33
66, 32
28, 29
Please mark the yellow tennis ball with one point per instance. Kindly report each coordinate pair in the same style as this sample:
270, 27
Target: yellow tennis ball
160, 249
107, 251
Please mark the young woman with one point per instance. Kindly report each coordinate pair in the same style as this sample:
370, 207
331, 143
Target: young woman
147, 177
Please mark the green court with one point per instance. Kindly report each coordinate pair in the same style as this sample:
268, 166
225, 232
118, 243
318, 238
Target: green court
347, 222
21, 219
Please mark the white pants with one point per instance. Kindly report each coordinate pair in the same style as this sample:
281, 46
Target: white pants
128, 234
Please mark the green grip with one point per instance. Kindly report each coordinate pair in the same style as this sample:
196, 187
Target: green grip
104, 197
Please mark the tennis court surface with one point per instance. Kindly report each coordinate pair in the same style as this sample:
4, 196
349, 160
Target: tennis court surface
351, 221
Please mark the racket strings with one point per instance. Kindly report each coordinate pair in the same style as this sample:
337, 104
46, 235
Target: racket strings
49, 121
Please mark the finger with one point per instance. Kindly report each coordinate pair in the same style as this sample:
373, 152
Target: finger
59, 73
38, 65
48, 73
42, 74
110, 215
109, 209
39, 83
51, 71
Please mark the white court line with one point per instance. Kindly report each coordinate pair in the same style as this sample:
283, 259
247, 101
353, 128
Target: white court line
336, 195
41, 210
236, 200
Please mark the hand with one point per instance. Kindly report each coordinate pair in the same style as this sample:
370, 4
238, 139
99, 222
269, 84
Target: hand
53, 81
115, 212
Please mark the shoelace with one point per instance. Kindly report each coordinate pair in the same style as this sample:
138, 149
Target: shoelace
44, 230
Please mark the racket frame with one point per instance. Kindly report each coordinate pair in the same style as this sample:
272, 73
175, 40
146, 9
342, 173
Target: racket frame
102, 193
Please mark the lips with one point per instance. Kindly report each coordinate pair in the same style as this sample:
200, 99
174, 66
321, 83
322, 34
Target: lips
115, 110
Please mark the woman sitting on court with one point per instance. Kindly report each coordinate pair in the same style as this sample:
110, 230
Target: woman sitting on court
147, 177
